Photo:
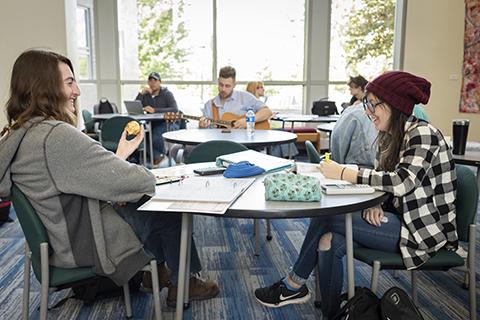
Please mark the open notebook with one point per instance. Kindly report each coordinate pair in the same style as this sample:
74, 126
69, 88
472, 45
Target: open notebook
333, 186
197, 194
264, 161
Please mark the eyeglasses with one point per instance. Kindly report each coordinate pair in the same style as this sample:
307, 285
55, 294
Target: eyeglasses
369, 105
259, 87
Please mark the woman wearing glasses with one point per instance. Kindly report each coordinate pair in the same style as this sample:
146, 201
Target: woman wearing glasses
414, 164
257, 89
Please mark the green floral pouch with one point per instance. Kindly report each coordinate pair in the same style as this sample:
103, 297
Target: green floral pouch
291, 187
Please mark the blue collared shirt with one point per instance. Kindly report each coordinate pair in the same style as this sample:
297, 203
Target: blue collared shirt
238, 103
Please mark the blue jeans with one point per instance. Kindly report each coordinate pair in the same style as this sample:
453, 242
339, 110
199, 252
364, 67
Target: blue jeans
160, 234
385, 238
159, 127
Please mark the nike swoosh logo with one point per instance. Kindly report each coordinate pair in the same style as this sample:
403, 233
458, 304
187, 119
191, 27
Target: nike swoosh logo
282, 298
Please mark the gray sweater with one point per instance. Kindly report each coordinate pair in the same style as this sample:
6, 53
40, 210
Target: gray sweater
68, 178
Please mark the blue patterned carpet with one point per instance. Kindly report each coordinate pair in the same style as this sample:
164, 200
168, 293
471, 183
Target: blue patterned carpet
226, 248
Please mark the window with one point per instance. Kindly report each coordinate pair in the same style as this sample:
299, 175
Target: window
177, 39
84, 43
361, 42
188, 41
259, 42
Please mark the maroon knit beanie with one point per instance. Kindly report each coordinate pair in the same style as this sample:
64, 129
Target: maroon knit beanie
401, 90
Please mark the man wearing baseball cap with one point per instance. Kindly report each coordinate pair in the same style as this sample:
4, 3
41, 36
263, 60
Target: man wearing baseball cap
157, 99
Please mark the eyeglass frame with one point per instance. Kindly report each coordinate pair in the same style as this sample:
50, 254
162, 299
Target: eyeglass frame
368, 105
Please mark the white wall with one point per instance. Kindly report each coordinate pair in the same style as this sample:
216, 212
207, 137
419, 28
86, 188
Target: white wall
434, 50
27, 24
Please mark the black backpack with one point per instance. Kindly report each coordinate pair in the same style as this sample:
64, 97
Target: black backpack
395, 304
105, 106
93, 289
324, 108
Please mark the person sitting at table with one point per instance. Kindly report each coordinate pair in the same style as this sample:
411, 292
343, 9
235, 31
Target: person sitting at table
352, 140
158, 99
415, 166
232, 101
353, 137
357, 90
257, 89
71, 179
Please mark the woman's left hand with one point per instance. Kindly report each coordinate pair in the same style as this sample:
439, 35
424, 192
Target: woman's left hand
373, 215
127, 147
330, 169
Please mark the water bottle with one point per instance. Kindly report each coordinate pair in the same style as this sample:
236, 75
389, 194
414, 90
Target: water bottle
250, 118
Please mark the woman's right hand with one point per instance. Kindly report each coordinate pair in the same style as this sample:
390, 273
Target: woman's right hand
373, 215
127, 147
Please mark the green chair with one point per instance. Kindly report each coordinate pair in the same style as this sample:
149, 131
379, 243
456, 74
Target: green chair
111, 132
89, 124
54, 278
466, 208
313, 155
209, 151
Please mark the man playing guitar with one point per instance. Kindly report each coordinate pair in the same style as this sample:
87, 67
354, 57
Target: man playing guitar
231, 101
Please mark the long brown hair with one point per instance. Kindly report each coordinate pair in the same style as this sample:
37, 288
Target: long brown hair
36, 89
390, 141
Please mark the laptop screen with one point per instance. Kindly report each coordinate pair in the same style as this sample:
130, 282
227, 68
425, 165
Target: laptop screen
134, 107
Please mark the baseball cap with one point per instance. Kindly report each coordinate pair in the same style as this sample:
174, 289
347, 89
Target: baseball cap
154, 75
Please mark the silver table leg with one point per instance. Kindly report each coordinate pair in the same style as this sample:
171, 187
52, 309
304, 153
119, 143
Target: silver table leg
186, 300
182, 266
150, 141
349, 238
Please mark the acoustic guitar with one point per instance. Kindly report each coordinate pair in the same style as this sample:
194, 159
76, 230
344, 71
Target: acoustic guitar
227, 120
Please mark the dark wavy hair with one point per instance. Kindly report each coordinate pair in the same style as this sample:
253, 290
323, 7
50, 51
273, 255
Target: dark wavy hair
358, 81
36, 89
390, 141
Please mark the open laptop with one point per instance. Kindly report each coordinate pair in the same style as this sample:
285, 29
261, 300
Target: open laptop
134, 107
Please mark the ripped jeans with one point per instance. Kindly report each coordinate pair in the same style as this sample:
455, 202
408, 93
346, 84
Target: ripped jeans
329, 259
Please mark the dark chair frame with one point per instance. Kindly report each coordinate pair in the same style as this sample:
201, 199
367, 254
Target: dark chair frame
54, 278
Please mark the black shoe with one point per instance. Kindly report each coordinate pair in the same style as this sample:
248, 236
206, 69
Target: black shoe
278, 295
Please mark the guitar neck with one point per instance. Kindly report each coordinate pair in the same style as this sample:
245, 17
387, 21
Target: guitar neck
217, 122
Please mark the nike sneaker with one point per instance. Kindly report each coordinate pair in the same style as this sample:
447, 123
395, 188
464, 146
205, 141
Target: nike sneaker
278, 295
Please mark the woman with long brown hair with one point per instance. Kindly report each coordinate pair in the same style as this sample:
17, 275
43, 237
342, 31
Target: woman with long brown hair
71, 180
415, 166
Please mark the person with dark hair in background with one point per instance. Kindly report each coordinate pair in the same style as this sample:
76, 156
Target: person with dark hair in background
157, 99
353, 136
415, 165
71, 181
357, 89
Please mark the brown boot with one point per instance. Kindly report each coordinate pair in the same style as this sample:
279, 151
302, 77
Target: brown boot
198, 290
163, 278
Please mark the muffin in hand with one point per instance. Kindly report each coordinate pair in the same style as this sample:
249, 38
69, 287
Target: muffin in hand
132, 128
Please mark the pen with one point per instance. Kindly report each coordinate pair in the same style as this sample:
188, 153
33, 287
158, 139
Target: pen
327, 156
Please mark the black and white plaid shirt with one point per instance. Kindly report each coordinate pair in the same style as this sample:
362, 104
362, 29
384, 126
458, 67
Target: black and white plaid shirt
423, 186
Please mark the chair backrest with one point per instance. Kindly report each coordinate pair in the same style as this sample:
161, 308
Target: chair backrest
87, 119
32, 226
312, 153
112, 131
209, 151
467, 200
